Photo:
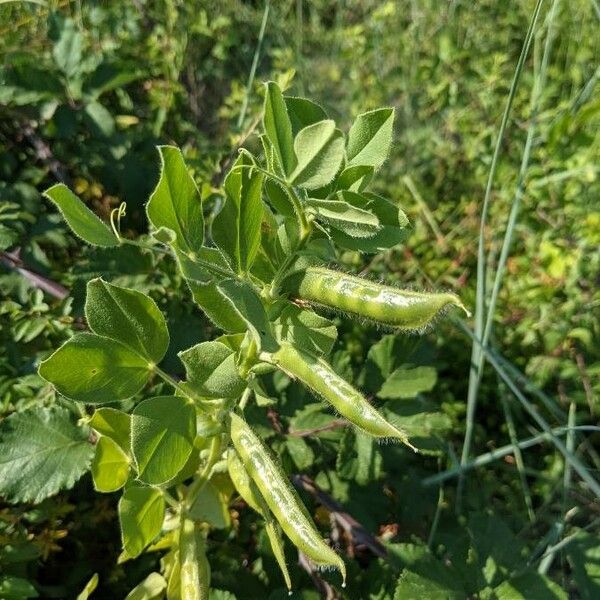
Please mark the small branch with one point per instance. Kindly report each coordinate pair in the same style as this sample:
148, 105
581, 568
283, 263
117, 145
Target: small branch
54, 289
346, 521
326, 591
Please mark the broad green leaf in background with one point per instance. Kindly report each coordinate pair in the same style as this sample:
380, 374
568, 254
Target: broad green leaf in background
110, 467
584, 557
236, 229
151, 588
114, 424
162, 437
96, 370
412, 586
300, 452
408, 382
41, 452
303, 112
320, 150
393, 224
528, 586
211, 506
278, 127
248, 305
80, 218
16, 588
212, 371
127, 316
370, 138
68, 50
100, 119
141, 514
176, 204
345, 217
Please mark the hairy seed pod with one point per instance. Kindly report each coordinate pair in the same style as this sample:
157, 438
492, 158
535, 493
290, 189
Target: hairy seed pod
318, 375
252, 496
195, 570
401, 309
280, 496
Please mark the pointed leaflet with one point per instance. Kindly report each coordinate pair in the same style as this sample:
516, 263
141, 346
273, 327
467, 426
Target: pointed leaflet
110, 467
303, 112
96, 370
393, 224
248, 305
236, 229
320, 151
211, 370
80, 218
175, 203
41, 452
351, 220
127, 316
114, 424
370, 138
278, 128
141, 514
162, 437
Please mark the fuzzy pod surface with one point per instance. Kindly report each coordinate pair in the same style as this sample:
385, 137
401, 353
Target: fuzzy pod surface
384, 304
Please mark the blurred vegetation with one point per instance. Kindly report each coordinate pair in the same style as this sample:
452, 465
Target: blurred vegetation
88, 89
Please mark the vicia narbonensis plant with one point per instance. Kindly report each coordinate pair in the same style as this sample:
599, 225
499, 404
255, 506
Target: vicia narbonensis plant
256, 274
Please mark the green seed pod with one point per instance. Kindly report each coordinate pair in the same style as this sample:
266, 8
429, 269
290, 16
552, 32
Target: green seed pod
194, 567
316, 374
401, 309
252, 496
280, 496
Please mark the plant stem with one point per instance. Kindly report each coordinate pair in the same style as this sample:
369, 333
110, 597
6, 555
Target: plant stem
198, 484
261, 35
476, 353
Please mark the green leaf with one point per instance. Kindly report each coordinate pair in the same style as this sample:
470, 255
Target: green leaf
529, 585
68, 50
141, 514
41, 453
89, 588
206, 294
16, 588
304, 328
278, 127
80, 218
407, 382
236, 229
150, 589
101, 120
414, 586
343, 216
212, 371
114, 424
96, 370
248, 305
127, 316
370, 138
584, 557
320, 151
393, 224
162, 437
303, 112
176, 204
211, 506
300, 452
355, 178
110, 467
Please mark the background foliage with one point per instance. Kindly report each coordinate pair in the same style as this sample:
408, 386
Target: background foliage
86, 92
